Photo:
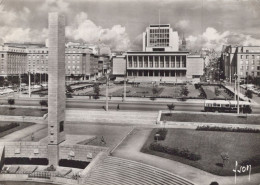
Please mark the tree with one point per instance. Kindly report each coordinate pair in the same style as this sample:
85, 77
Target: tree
43, 103
184, 91
217, 91
249, 94
96, 90
225, 157
155, 92
11, 102
69, 91
171, 107
2, 79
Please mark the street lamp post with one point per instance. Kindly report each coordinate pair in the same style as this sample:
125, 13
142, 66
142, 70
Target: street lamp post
107, 92
29, 86
20, 90
125, 89
237, 79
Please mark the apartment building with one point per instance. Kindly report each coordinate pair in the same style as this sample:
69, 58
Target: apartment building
240, 60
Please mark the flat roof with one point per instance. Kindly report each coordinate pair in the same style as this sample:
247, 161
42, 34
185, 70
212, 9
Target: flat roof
157, 52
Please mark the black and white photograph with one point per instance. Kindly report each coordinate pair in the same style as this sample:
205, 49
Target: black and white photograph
130, 92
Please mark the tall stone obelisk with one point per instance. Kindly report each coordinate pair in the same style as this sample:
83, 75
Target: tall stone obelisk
56, 86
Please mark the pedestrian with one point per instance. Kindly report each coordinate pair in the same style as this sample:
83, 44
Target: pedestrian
117, 107
32, 137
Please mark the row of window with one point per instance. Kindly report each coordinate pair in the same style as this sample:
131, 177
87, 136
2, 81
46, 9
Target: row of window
247, 56
253, 73
167, 64
247, 67
159, 30
157, 58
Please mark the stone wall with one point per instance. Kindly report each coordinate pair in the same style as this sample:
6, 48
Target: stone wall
25, 149
38, 150
80, 152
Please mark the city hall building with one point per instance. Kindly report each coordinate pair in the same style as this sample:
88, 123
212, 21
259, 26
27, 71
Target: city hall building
160, 59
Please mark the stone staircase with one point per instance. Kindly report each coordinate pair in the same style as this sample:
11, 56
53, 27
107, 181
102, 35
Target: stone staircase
117, 117
118, 171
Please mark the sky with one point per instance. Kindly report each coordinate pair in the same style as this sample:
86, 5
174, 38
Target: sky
120, 23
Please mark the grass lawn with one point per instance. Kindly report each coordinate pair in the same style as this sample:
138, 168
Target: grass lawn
22, 112
21, 126
210, 118
210, 144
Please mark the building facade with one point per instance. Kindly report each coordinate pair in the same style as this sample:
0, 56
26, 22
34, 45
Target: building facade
160, 37
119, 65
240, 60
156, 64
160, 59
12, 60
79, 61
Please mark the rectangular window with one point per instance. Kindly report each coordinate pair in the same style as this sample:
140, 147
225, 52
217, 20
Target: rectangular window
140, 64
151, 63
178, 62
246, 56
61, 126
157, 64
145, 63
135, 63
161, 64
183, 61
241, 56
167, 64
253, 56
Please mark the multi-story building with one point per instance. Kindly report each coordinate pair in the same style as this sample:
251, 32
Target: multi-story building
160, 37
240, 60
160, 59
79, 61
13, 60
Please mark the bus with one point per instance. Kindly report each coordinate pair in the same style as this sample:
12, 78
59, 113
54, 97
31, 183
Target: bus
227, 106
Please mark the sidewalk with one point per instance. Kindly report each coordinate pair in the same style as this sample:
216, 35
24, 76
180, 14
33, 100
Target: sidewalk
130, 149
16, 136
242, 96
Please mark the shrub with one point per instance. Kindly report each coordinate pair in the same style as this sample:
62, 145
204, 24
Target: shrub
73, 163
227, 129
214, 183
11, 102
254, 161
184, 153
8, 127
162, 133
26, 160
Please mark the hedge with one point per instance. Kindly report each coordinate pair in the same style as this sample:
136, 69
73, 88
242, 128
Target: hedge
162, 132
254, 161
184, 153
8, 127
26, 160
73, 163
227, 129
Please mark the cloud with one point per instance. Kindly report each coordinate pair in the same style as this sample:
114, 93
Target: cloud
55, 6
83, 29
213, 39
15, 27
183, 24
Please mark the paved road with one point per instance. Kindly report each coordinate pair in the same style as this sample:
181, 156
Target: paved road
131, 105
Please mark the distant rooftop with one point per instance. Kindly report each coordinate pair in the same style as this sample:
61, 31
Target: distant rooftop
160, 25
